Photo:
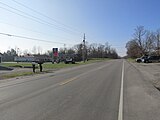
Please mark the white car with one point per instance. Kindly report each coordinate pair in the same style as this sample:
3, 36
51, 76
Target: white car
141, 59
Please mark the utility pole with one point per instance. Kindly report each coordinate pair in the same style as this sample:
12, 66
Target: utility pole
64, 48
84, 48
17, 51
158, 37
64, 54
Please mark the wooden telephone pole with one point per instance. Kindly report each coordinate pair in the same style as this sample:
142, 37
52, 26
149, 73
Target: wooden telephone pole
158, 37
84, 48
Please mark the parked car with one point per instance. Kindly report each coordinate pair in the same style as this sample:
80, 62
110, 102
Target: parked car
141, 59
69, 60
151, 59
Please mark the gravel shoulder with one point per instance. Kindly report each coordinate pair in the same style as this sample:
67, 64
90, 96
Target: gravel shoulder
151, 71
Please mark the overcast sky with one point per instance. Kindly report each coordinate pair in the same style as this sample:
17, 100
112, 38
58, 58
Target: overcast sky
65, 21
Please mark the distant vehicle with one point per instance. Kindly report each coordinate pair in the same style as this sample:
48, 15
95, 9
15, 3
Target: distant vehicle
56, 61
141, 59
151, 59
69, 60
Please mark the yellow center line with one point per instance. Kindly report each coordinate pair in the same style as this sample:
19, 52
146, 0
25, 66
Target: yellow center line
68, 80
74, 78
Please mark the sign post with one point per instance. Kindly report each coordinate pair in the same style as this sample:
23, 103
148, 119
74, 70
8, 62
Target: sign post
55, 53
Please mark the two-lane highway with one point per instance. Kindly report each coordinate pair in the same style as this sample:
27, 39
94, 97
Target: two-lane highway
89, 92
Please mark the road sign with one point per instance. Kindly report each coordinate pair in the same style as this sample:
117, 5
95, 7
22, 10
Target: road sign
55, 52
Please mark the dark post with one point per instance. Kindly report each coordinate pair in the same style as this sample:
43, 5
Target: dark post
34, 67
40, 66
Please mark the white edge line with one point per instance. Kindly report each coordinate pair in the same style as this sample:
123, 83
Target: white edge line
120, 112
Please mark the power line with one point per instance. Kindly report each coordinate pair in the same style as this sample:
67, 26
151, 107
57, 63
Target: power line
33, 18
21, 15
37, 19
29, 38
45, 15
31, 30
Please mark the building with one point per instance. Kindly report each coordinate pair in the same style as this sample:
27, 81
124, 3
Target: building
1, 57
33, 58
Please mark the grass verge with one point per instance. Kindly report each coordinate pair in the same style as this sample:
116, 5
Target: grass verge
131, 59
63, 65
46, 67
12, 75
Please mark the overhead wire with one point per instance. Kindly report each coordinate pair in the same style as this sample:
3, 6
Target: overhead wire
33, 18
31, 30
41, 21
21, 15
30, 38
39, 13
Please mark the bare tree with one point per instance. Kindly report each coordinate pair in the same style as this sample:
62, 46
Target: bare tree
149, 42
34, 50
70, 51
143, 42
39, 49
133, 49
62, 50
139, 37
25, 52
157, 41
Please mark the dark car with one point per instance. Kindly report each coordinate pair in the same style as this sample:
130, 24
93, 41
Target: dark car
69, 60
151, 59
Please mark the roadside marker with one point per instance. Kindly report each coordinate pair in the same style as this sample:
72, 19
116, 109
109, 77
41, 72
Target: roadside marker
120, 112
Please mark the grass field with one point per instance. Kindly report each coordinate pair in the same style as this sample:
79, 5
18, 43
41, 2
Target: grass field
131, 60
46, 67
50, 65
12, 75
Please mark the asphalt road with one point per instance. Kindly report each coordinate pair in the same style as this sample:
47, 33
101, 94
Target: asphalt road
89, 92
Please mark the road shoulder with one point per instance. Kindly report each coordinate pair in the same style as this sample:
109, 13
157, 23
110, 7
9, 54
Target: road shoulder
141, 98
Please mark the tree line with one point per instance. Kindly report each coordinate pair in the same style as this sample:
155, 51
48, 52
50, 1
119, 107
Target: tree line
9, 55
90, 51
143, 42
